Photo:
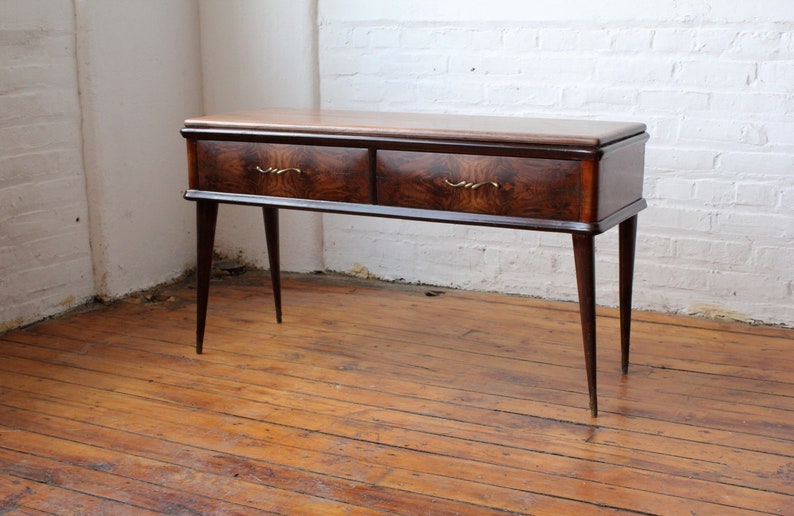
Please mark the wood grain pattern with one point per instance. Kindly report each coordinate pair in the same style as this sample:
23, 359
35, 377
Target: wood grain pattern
326, 173
534, 174
362, 403
540, 131
526, 187
617, 182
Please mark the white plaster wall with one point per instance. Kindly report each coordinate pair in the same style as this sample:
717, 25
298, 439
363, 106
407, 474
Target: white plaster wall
714, 81
256, 54
92, 166
139, 68
91, 182
45, 258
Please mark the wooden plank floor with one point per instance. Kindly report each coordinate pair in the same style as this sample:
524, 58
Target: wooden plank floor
379, 398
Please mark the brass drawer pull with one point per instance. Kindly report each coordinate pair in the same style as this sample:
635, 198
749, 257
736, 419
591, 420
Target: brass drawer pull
277, 171
470, 186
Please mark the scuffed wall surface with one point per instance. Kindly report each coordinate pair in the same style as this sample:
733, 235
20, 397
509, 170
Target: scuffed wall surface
140, 77
92, 166
45, 258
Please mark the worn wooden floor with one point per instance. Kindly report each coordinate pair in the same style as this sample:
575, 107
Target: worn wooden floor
380, 398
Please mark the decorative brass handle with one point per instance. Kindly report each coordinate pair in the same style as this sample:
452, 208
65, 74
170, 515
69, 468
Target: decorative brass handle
277, 171
470, 186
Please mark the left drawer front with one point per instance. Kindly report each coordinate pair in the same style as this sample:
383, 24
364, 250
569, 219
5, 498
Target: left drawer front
299, 171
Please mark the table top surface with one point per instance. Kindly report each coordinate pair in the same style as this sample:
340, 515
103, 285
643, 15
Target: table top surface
589, 133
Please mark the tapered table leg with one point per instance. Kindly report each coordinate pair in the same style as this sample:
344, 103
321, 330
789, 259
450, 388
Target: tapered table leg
271, 235
584, 256
206, 217
628, 238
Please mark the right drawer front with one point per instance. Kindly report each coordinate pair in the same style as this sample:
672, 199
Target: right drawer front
493, 185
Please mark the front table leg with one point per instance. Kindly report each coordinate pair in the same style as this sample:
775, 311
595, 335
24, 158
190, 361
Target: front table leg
584, 256
206, 216
627, 232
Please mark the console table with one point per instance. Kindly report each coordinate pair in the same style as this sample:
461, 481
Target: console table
573, 176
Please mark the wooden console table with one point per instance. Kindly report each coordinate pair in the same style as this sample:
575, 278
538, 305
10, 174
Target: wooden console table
571, 176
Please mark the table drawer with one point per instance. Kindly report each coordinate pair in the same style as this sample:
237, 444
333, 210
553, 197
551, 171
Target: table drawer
494, 185
299, 171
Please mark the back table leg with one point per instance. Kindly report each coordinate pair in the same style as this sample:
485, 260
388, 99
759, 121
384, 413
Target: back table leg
584, 256
206, 216
271, 235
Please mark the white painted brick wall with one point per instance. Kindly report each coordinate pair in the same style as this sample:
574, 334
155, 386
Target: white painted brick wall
45, 260
714, 82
